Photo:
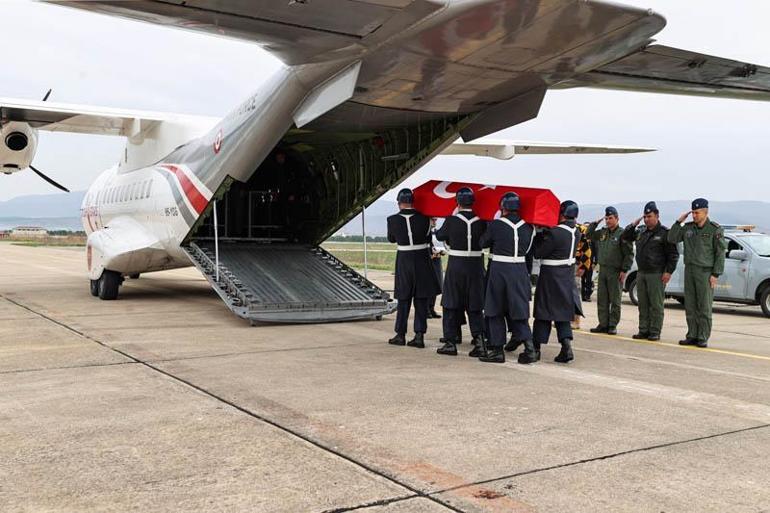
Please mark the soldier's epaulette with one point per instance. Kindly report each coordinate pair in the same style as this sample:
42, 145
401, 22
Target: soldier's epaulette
714, 223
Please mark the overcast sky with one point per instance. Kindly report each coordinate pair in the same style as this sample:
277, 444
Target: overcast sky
711, 148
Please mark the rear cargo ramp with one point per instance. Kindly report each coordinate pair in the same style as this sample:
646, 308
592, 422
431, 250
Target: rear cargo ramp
288, 283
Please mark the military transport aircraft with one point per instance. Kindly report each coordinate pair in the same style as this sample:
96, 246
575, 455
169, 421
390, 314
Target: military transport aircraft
371, 90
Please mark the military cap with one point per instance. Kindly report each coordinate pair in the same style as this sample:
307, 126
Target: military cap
569, 209
700, 203
465, 197
510, 201
610, 211
405, 196
651, 208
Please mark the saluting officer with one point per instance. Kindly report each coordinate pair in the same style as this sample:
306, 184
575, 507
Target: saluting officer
556, 295
656, 259
704, 261
615, 259
415, 280
464, 277
509, 290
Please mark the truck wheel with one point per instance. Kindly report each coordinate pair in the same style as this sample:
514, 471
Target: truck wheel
764, 301
109, 283
94, 287
632, 293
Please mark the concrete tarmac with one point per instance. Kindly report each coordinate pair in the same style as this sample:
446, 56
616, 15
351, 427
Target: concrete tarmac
165, 401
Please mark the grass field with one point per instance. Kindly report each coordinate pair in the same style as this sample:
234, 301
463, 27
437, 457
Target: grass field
380, 256
51, 240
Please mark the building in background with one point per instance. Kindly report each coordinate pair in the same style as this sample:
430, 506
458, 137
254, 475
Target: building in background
29, 231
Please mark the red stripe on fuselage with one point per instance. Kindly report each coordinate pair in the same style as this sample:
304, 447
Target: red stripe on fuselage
197, 200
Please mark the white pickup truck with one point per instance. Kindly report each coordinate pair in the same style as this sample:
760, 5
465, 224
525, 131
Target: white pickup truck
746, 279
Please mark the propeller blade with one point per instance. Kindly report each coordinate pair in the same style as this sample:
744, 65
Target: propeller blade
47, 95
41, 175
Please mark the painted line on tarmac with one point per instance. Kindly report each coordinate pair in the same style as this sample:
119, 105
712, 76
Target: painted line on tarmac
713, 403
672, 364
669, 344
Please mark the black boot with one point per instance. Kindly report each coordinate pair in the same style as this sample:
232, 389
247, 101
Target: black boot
612, 331
640, 336
418, 341
494, 355
599, 329
537, 350
688, 342
565, 355
449, 348
398, 340
479, 348
528, 355
513, 344
701, 343
433, 314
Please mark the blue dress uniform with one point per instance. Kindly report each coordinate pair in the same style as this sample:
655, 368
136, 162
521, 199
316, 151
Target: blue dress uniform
509, 289
415, 280
463, 290
556, 297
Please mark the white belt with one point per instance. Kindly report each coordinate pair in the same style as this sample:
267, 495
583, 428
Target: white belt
509, 259
462, 253
413, 247
556, 263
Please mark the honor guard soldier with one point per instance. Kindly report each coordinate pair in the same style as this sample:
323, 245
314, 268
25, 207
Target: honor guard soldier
556, 295
464, 277
656, 260
509, 289
615, 257
704, 261
415, 279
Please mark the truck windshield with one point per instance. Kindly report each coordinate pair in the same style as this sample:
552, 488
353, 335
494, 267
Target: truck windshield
759, 243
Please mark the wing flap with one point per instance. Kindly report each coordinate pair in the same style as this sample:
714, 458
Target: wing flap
506, 150
663, 69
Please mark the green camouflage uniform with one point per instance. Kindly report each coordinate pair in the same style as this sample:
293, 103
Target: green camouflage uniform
614, 256
704, 256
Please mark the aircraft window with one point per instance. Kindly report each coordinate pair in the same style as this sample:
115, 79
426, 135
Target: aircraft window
144, 188
149, 187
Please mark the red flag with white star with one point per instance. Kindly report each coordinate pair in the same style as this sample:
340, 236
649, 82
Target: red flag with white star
437, 199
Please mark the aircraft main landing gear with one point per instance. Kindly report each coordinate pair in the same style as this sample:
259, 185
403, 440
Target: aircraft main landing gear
107, 285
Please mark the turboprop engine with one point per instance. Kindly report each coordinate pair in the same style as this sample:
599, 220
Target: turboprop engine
18, 143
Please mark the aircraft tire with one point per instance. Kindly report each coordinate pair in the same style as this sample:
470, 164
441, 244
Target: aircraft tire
94, 288
109, 283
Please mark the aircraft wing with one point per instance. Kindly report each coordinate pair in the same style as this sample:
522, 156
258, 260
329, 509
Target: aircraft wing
662, 69
506, 150
57, 117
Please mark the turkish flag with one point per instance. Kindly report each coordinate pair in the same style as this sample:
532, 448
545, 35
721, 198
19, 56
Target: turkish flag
437, 199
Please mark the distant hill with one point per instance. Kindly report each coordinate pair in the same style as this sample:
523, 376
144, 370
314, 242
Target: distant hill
723, 212
61, 211
43, 205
